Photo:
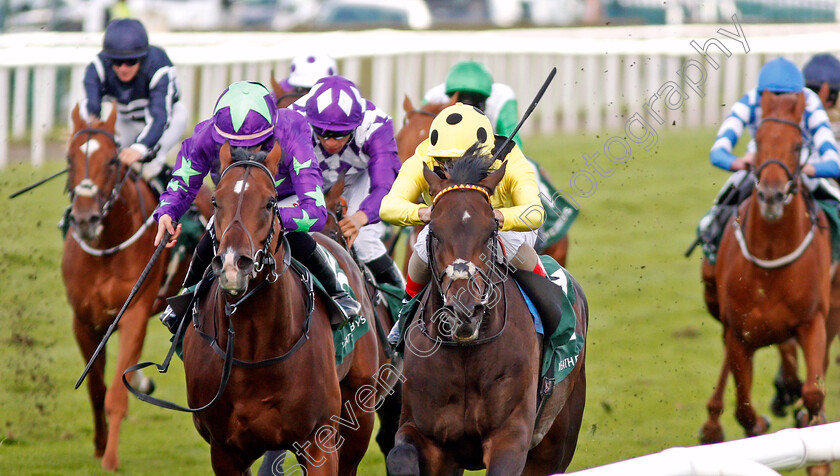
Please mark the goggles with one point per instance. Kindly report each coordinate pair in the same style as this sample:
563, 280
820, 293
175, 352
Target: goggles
127, 62
337, 135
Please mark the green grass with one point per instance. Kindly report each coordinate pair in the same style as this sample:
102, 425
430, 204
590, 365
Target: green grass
652, 359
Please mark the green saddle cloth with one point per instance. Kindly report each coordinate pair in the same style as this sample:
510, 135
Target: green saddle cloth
559, 213
833, 215
564, 345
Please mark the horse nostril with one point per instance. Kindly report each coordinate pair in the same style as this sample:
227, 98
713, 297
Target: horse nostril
95, 219
760, 195
779, 196
216, 263
245, 264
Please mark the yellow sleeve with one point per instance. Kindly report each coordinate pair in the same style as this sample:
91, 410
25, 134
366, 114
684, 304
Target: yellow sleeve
526, 212
399, 206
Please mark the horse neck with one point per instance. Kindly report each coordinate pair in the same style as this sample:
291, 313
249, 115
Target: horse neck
773, 240
126, 215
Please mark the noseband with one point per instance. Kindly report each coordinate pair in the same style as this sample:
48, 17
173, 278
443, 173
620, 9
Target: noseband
792, 185
86, 188
262, 257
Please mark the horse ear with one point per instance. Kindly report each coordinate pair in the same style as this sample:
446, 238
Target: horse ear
492, 180
334, 193
224, 155
800, 105
275, 86
407, 106
78, 122
768, 102
272, 161
452, 100
112, 118
435, 182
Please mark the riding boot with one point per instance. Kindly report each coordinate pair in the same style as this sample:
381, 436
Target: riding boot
318, 264
385, 271
201, 258
394, 335
161, 180
64, 223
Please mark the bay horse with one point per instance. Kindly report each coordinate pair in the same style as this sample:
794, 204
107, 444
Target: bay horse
286, 391
105, 250
470, 395
415, 130
773, 273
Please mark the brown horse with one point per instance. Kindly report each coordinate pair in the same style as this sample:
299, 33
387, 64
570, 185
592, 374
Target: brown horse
105, 251
772, 275
284, 98
286, 391
415, 130
472, 370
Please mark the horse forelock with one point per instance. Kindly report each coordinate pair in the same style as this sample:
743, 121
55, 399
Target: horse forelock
470, 168
241, 154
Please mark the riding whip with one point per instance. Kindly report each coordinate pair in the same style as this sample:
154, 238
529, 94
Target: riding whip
38, 183
527, 112
134, 290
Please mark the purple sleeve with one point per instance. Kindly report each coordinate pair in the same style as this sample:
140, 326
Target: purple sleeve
384, 164
195, 159
304, 171
93, 91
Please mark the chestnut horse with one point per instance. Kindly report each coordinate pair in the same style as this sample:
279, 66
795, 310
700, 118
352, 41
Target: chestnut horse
284, 98
105, 250
286, 391
773, 272
470, 398
415, 130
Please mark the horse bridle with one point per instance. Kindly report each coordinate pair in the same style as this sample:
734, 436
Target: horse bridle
417, 111
264, 256
86, 187
462, 269
792, 185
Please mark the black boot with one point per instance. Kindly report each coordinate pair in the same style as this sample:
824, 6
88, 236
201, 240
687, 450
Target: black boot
201, 258
318, 265
385, 271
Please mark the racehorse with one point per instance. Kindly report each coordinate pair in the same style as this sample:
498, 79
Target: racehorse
773, 272
284, 98
470, 398
105, 251
415, 130
286, 391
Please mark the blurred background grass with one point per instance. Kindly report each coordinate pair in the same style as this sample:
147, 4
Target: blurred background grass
653, 351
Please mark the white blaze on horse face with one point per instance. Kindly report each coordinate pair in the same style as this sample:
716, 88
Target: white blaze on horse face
454, 274
465, 217
90, 147
240, 186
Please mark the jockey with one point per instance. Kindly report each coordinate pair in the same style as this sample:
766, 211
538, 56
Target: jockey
245, 115
306, 70
475, 87
516, 201
777, 76
353, 137
141, 79
822, 75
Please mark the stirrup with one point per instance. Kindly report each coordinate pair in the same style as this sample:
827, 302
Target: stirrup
349, 306
394, 335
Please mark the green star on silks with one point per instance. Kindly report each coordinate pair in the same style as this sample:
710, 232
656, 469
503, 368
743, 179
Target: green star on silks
243, 97
163, 203
297, 165
317, 195
278, 182
304, 223
186, 171
174, 185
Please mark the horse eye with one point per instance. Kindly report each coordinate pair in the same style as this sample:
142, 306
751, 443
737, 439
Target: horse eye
213, 201
271, 204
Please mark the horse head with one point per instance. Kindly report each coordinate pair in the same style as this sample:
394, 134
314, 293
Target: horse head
779, 143
336, 210
417, 124
245, 220
284, 97
463, 239
93, 169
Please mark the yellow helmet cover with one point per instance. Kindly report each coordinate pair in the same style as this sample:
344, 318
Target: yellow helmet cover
458, 127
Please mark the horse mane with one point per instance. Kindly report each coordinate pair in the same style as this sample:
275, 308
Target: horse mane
241, 154
470, 168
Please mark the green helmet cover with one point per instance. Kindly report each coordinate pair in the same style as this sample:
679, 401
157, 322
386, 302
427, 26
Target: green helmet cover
469, 76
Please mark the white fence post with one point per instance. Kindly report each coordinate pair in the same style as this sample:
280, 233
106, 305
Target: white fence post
4, 117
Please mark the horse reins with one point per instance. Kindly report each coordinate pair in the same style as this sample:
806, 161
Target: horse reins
791, 189
86, 188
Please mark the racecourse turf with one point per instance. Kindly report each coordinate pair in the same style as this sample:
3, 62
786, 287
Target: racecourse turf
653, 352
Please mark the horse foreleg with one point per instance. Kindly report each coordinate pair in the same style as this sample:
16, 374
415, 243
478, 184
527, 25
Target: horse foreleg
226, 463
741, 366
88, 340
558, 250
356, 437
812, 338
415, 455
132, 331
787, 383
389, 419
710, 296
506, 450
712, 431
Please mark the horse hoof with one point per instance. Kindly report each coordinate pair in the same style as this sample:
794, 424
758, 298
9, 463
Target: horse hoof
800, 418
711, 433
761, 426
110, 463
819, 470
403, 460
777, 406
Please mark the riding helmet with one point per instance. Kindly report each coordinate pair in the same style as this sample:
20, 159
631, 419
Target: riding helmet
822, 68
780, 76
125, 38
458, 127
469, 76
308, 69
244, 114
334, 104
